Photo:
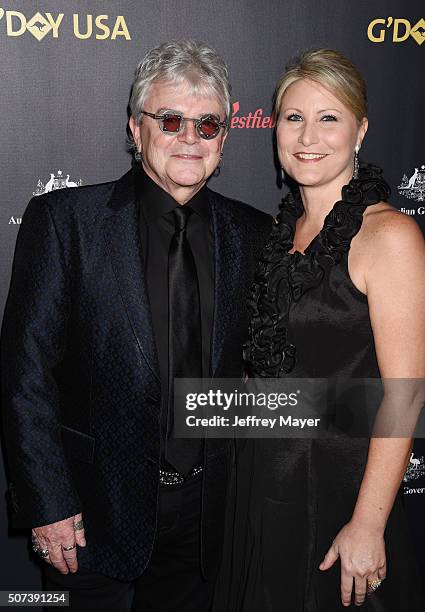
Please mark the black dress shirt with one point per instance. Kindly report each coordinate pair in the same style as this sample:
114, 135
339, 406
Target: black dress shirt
156, 230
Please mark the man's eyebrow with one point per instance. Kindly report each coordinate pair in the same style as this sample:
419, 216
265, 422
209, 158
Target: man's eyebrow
163, 109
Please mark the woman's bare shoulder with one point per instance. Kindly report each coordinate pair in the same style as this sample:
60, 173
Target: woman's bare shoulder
385, 225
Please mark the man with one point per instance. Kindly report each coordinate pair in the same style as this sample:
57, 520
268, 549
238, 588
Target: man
116, 289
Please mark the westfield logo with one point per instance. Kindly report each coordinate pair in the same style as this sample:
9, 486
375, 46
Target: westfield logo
256, 119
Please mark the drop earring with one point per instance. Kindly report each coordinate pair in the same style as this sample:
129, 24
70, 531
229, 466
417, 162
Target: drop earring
138, 156
356, 162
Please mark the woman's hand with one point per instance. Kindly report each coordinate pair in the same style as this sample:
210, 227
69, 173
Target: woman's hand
362, 553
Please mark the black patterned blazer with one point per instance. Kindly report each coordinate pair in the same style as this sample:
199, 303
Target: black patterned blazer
80, 376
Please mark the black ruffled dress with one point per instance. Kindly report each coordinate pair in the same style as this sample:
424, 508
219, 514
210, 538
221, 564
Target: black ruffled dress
294, 495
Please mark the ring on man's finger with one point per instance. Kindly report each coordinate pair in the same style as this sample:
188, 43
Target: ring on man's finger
374, 584
43, 552
78, 525
68, 547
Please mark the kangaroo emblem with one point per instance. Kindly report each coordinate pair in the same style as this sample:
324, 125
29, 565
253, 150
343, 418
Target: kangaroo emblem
39, 25
49, 184
412, 179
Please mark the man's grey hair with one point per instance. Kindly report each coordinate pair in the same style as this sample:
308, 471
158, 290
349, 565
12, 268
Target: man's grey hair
186, 62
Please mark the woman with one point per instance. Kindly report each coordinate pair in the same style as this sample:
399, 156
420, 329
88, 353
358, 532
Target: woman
339, 292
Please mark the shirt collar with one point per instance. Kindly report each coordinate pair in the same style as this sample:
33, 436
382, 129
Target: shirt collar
156, 202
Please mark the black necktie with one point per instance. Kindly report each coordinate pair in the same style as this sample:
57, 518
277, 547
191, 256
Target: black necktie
184, 335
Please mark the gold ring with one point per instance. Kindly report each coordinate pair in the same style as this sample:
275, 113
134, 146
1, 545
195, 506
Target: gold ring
68, 547
374, 584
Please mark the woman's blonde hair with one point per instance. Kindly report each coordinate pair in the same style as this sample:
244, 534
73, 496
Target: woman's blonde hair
332, 70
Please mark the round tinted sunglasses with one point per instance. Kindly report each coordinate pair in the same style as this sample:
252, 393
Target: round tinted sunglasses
171, 122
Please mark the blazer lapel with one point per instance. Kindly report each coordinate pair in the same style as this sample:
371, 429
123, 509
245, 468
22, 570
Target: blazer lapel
123, 243
228, 265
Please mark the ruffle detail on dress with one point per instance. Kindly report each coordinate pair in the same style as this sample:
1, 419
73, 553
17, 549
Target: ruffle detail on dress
345, 219
267, 352
281, 278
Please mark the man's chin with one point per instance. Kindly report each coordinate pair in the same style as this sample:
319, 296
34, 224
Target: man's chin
188, 180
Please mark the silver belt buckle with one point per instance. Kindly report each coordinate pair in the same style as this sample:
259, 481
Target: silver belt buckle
172, 478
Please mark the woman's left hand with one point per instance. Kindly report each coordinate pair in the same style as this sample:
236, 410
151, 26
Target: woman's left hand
362, 553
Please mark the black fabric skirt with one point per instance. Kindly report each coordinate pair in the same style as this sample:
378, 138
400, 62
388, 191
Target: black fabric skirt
276, 538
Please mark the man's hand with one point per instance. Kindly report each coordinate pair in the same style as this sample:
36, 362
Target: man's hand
61, 540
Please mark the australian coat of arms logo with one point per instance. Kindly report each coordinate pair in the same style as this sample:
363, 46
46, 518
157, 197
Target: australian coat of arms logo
415, 469
413, 187
58, 181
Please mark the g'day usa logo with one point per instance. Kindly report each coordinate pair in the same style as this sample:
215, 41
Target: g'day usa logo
83, 26
398, 30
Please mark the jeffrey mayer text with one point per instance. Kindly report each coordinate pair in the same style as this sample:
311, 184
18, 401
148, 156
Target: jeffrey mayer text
251, 421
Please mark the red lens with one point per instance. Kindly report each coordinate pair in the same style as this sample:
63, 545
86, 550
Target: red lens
209, 127
171, 123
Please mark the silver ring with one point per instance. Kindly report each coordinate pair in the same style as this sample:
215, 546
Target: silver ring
68, 547
78, 525
43, 552
35, 543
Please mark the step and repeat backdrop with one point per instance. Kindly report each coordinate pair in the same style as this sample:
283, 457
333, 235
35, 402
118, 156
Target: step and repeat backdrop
65, 73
